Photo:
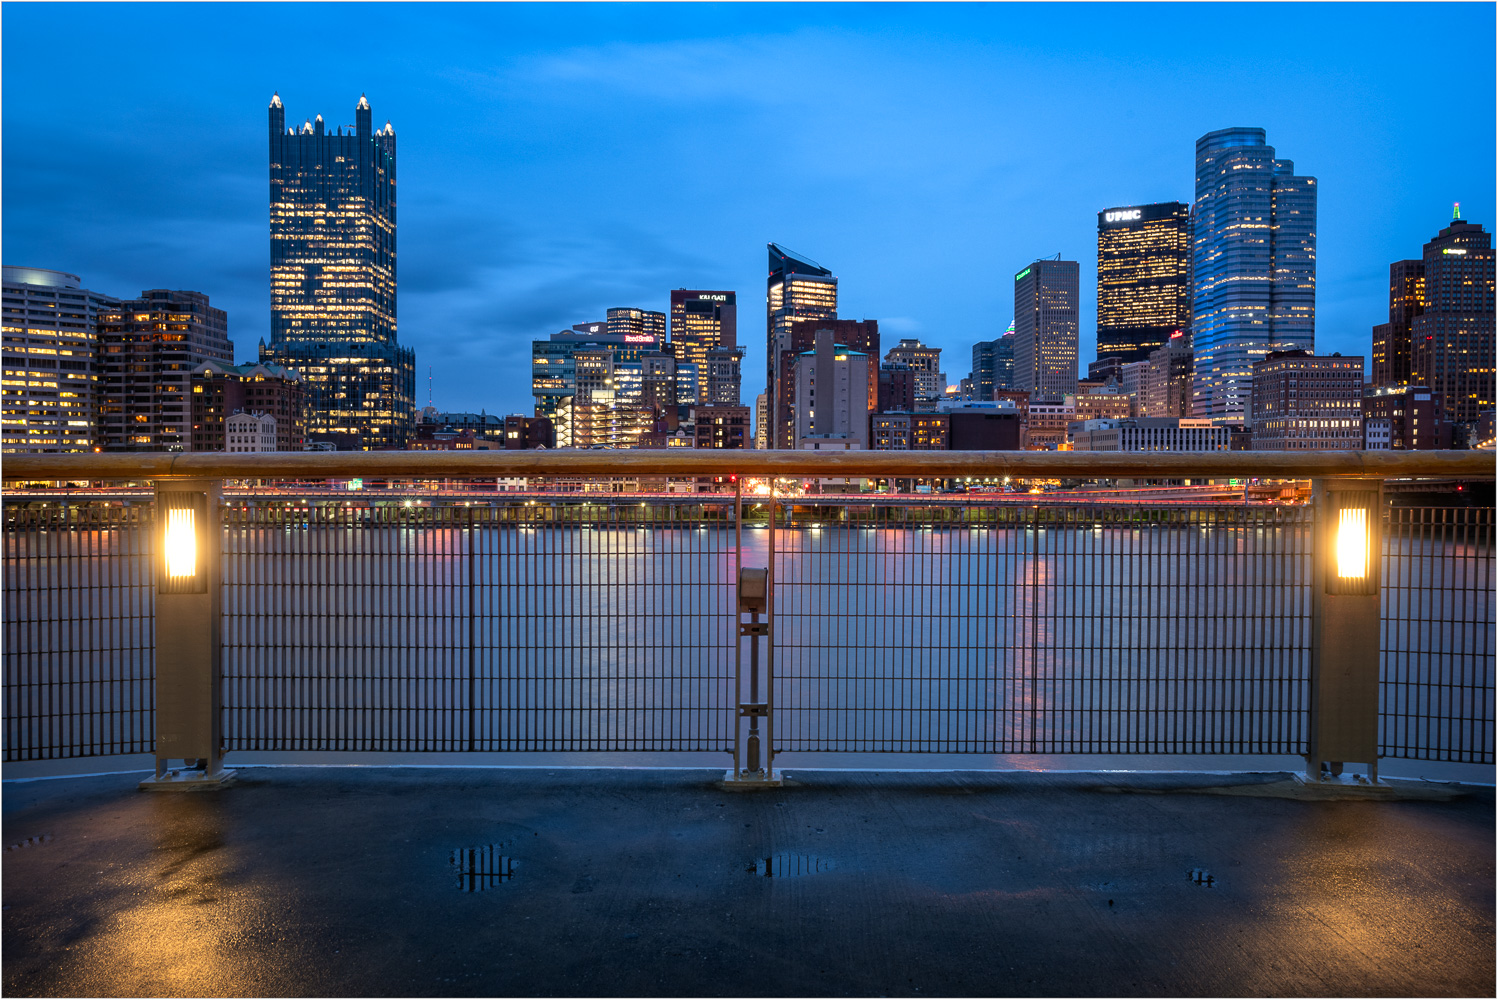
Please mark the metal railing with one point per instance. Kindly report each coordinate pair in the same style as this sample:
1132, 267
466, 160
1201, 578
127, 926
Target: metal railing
607, 624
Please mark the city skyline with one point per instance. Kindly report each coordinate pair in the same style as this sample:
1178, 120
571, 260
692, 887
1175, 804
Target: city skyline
901, 215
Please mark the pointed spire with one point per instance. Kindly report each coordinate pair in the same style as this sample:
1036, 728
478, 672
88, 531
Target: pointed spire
275, 99
388, 129
1456, 211
363, 104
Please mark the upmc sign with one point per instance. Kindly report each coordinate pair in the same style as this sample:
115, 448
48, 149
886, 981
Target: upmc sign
1123, 215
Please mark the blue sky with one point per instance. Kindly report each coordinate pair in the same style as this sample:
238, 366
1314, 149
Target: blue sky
556, 160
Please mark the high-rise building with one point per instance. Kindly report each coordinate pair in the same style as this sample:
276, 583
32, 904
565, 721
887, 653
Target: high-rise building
221, 390
1391, 341
797, 289
1143, 278
49, 400
1452, 337
858, 334
1253, 266
1046, 326
832, 396
149, 348
703, 320
724, 381
333, 276
1167, 380
627, 321
925, 362
1306, 403
1410, 415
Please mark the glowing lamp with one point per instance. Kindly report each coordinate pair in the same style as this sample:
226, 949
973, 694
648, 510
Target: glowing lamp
1354, 543
183, 568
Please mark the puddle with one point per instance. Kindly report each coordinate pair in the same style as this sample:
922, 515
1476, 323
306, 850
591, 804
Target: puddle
1201, 876
481, 868
30, 842
790, 866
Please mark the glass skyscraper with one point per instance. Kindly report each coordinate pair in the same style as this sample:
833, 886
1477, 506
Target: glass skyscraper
332, 258
1253, 266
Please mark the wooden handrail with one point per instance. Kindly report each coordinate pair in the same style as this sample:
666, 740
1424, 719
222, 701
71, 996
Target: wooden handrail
716, 462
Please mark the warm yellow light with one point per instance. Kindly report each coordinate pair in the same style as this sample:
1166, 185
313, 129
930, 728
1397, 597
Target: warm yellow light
1352, 543
181, 543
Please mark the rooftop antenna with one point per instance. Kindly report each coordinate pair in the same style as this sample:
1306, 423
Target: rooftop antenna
1456, 211
429, 385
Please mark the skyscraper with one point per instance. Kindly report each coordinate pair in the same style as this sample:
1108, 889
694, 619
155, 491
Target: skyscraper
50, 394
925, 362
1452, 338
1143, 278
1045, 327
333, 276
797, 289
628, 321
703, 320
1253, 266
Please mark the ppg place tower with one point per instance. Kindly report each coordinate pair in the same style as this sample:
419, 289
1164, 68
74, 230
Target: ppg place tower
332, 280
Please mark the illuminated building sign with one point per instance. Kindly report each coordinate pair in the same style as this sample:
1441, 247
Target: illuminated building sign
712, 298
638, 338
1176, 335
1022, 274
1453, 250
1123, 215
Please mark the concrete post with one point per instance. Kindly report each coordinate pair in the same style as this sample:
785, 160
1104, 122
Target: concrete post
1346, 554
189, 655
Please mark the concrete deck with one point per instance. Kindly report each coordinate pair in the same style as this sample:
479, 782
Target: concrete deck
342, 882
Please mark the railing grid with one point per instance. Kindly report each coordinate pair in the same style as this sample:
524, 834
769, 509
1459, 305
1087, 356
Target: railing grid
1080, 629
79, 647
1436, 687
534, 626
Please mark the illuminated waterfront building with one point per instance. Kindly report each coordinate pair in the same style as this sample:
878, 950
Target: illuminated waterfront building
797, 289
1253, 266
1143, 278
50, 397
333, 276
1452, 349
1046, 326
1390, 364
149, 348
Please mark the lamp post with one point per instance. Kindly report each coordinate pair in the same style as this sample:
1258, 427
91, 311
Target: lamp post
189, 657
1346, 554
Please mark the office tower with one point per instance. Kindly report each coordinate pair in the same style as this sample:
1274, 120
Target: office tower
219, 390
1003, 361
797, 289
1253, 266
1452, 337
896, 391
333, 277
1168, 374
637, 323
1045, 327
761, 421
49, 400
703, 320
554, 366
832, 396
149, 348
1306, 403
724, 376
1143, 278
1390, 362
925, 362
981, 375
859, 334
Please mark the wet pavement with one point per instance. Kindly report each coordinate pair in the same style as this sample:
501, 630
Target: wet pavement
414, 881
